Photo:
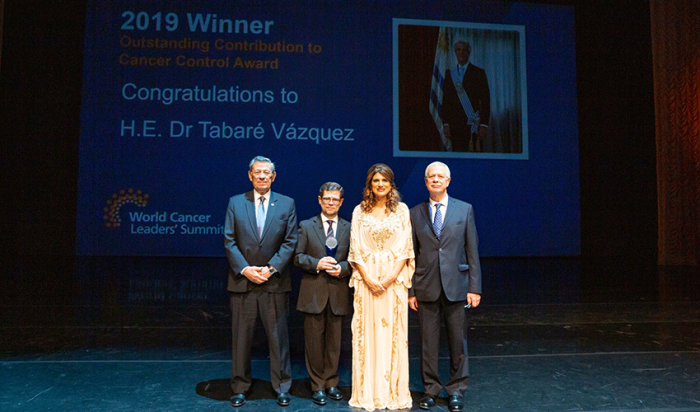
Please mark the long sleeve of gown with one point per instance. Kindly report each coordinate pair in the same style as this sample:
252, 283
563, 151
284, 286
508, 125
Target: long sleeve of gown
403, 248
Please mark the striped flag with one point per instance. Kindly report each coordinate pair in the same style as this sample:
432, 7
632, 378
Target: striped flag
442, 61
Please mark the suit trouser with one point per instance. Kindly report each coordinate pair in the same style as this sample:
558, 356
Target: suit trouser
274, 312
322, 347
456, 323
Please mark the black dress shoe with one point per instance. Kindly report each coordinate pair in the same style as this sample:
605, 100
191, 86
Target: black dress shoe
427, 402
456, 404
319, 398
334, 393
237, 400
283, 399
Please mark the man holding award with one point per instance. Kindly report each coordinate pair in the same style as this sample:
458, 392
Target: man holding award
324, 295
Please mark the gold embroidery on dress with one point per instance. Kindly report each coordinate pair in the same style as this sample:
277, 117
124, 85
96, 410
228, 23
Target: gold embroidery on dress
395, 340
385, 323
381, 231
407, 249
353, 249
360, 339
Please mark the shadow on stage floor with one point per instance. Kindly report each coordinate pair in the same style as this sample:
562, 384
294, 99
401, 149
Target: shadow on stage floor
151, 334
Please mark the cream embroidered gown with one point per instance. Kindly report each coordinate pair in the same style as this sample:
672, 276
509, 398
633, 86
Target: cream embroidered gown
380, 323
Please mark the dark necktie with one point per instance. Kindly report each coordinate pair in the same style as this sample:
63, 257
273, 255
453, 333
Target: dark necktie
330, 229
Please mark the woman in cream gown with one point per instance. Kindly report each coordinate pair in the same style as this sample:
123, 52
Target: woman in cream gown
381, 254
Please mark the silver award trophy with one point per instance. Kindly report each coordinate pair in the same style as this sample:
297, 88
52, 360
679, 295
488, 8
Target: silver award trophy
331, 246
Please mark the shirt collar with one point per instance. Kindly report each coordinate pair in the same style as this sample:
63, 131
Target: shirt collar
325, 220
258, 195
443, 202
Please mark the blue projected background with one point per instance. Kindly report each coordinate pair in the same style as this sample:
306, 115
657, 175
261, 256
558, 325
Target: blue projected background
176, 102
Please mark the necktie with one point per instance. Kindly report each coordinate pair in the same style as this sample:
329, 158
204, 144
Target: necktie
260, 215
437, 223
330, 229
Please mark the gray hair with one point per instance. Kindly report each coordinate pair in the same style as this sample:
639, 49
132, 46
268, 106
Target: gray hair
438, 164
332, 187
261, 159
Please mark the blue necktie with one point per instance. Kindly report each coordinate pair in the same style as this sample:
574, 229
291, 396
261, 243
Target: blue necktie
260, 215
437, 223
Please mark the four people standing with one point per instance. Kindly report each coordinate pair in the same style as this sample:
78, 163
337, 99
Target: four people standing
378, 253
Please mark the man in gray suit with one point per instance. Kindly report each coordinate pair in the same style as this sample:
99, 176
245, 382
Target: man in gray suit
324, 295
260, 237
447, 279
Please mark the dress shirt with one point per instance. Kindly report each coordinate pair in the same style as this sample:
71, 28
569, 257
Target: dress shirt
257, 201
257, 196
443, 209
462, 70
325, 225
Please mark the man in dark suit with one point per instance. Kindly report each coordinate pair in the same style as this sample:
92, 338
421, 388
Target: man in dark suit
447, 279
324, 295
466, 102
260, 237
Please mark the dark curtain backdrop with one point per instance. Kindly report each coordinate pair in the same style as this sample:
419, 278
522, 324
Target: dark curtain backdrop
416, 60
616, 130
2, 9
676, 48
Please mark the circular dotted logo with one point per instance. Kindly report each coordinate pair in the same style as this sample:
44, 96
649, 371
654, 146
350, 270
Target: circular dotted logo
112, 216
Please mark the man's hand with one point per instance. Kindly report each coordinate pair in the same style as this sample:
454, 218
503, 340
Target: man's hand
256, 274
335, 272
413, 303
473, 299
329, 265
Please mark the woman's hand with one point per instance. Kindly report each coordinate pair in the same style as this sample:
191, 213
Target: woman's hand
375, 287
386, 282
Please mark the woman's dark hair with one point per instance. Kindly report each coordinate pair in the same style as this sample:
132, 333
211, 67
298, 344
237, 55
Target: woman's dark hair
392, 198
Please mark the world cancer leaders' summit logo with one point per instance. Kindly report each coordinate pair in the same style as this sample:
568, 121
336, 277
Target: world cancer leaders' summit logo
112, 216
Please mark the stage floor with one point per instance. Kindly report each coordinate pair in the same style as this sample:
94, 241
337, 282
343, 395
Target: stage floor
153, 334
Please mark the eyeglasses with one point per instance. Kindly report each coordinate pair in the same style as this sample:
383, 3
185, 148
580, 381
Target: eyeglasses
330, 199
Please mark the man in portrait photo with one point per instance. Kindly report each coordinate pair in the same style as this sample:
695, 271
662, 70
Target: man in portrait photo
466, 105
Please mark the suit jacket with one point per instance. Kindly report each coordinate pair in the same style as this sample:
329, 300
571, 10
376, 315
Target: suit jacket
476, 85
451, 262
319, 289
245, 248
